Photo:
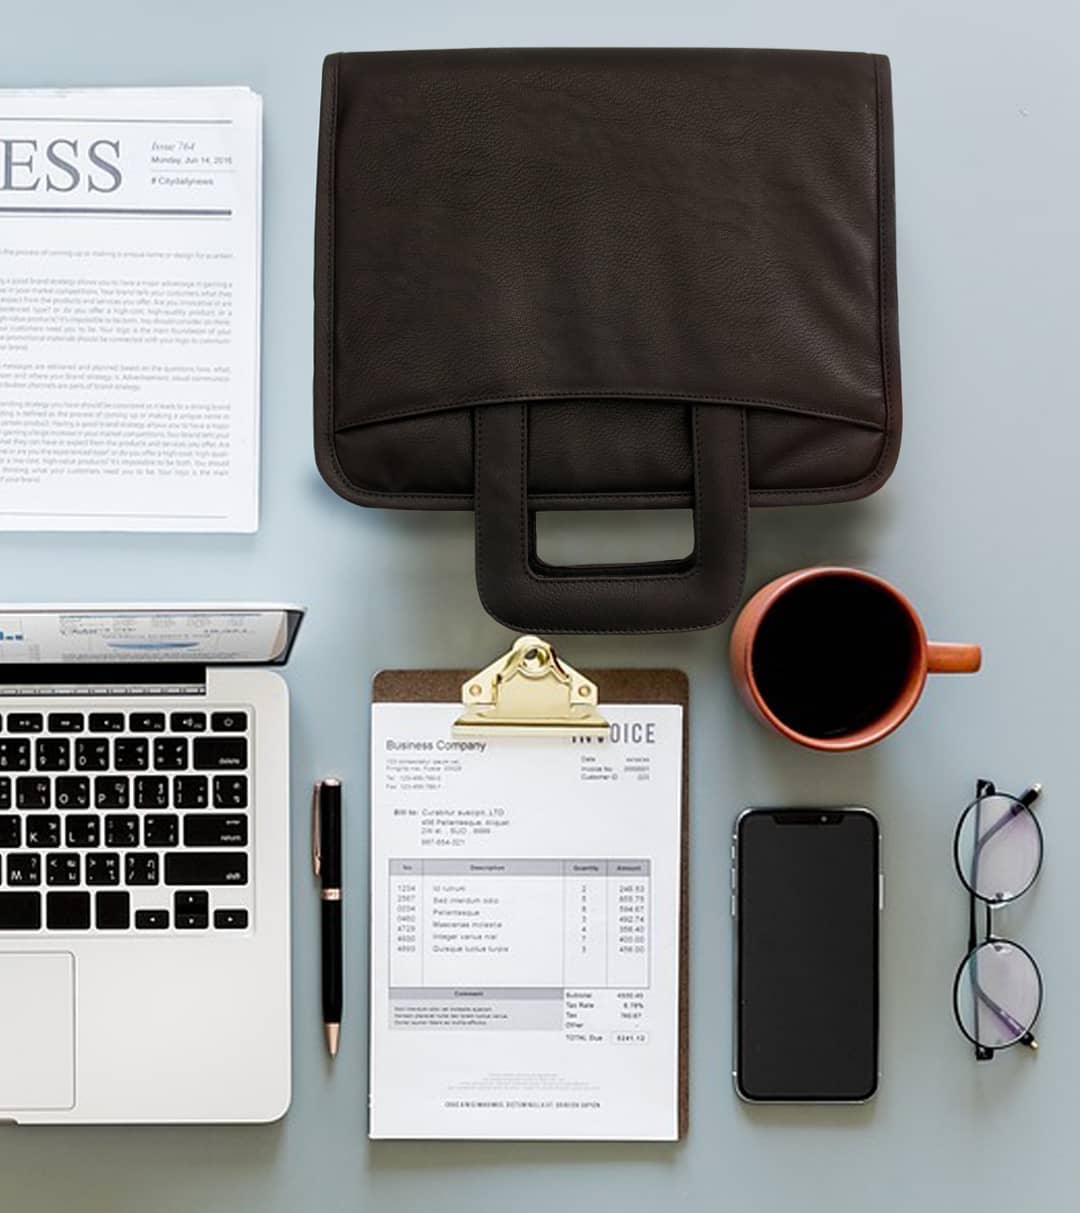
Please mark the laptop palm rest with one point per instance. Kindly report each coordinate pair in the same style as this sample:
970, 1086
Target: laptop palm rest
37, 1030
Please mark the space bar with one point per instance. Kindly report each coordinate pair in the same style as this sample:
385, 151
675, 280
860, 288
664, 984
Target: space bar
20, 911
205, 868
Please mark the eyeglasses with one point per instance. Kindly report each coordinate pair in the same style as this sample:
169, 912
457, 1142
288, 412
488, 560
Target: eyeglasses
998, 850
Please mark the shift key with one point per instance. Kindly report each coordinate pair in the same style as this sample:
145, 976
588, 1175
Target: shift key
201, 868
219, 753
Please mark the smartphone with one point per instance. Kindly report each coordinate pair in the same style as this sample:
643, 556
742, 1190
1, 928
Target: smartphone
807, 892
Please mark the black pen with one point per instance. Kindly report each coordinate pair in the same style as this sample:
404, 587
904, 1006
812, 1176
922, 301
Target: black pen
326, 859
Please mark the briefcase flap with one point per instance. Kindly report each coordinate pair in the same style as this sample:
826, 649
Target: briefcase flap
613, 243
604, 227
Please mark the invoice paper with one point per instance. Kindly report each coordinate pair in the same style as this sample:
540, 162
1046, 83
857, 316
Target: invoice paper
130, 238
525, 929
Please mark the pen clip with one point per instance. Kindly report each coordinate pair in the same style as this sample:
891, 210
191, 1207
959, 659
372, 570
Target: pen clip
316, 840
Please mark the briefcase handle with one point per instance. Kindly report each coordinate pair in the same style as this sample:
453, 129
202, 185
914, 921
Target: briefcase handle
526, 593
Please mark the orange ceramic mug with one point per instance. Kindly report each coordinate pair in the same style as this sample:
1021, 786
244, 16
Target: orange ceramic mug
836, 658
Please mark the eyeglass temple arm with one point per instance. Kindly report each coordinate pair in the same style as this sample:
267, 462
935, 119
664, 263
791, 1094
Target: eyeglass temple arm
983, 787
1027, 799
1014, 1025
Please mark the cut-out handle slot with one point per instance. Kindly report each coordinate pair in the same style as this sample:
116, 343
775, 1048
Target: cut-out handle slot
523, 591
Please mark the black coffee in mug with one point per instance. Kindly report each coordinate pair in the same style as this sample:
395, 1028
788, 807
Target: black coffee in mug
832, 655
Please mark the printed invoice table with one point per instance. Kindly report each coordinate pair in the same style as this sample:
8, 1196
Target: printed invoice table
587, 922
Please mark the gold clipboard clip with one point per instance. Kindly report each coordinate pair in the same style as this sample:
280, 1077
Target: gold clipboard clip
529, 691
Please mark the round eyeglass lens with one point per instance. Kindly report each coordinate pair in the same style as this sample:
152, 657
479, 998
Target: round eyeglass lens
998, 848
998, 993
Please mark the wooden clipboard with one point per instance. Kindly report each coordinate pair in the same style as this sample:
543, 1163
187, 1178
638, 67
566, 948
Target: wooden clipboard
608, 686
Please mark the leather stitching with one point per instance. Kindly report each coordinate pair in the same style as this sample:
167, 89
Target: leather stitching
783, 406
479, 511
883, 336
331, 329
744, 513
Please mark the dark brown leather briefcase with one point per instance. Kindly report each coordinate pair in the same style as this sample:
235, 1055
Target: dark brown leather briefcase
605, 279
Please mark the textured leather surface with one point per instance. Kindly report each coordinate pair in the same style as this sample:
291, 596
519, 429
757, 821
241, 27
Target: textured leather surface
612, 239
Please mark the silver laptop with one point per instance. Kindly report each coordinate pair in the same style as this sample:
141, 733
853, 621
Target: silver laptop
144, 863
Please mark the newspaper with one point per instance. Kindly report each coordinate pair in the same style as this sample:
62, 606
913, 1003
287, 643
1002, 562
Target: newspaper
130, 265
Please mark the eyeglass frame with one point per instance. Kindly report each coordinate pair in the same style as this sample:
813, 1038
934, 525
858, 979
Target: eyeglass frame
984, 789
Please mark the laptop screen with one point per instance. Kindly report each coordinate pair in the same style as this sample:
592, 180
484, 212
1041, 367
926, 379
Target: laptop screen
218, 635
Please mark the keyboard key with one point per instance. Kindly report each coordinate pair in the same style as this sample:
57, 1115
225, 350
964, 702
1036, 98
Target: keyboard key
141, 867
10, 832
103, 867
188, 722
206, 868
151, 792
111, 792
190, 792
215, 830
24, 869
20, 911
112, 911
67, 911
151, 920
230, 920
73, 792
230, 791
66, 722
53, 754
91, 754
62, 868
228, 722
14, 754
161, 830
121, 830
25, 722
32, 792
170, 753
213, 753
131, 753
191, 910
82, 831
42, 831
146, 722
191, 901
106, 722
5, 791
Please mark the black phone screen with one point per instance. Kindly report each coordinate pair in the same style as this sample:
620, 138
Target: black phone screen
806, 887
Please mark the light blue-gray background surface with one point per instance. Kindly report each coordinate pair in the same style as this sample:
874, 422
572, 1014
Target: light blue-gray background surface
977, 524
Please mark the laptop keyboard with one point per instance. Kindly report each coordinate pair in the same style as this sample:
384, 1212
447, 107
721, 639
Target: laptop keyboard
125, 820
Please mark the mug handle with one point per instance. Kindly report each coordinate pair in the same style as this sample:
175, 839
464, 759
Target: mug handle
952, 658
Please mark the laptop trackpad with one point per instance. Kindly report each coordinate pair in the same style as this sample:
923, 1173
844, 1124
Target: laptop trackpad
37, 1030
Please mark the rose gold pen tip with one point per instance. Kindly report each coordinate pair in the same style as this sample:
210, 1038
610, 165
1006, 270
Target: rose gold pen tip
333, 1035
